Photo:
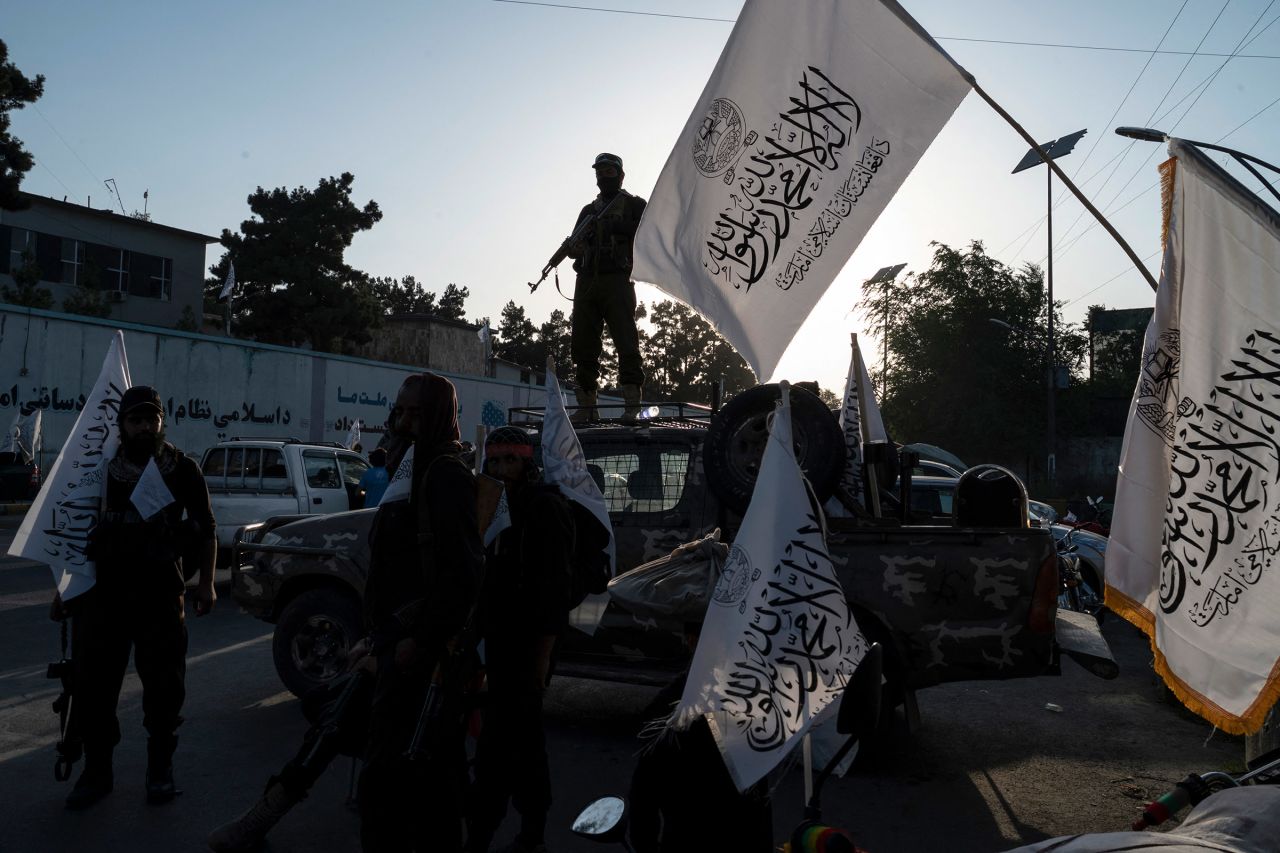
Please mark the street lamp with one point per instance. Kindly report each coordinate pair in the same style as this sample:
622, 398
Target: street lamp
885, 276
1052, 150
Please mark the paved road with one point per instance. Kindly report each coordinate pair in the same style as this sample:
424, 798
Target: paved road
992, 768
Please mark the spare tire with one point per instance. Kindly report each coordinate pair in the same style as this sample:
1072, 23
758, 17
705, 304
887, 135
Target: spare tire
736, 441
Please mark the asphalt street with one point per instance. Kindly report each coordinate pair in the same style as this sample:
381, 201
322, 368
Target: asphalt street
991, 768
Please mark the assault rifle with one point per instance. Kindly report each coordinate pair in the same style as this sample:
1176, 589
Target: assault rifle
569, 242
69, 747
443, 708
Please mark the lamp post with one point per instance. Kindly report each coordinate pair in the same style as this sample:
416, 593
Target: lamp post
1053, 150
885, 276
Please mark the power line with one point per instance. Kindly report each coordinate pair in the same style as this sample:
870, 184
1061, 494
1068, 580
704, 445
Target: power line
96, 179
1128, 269
619, 11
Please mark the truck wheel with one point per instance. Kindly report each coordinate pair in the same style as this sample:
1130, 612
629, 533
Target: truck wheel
736, 441
312, 637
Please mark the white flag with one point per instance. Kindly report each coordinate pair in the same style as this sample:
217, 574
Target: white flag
814, 116
778, 643
401, 486
484, 333
1192, 554
230, 284
151, 494
23, 438
57, 528
353, 434
500, 522
857, 390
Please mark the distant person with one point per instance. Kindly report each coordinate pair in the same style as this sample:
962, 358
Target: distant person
137, 602
604, 294
374, 481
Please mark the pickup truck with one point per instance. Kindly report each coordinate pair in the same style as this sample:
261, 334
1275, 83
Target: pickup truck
947, 602
252, 480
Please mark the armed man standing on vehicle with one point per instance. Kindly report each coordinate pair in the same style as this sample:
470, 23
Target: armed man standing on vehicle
137, 600
426, 567
524, 607
604, 294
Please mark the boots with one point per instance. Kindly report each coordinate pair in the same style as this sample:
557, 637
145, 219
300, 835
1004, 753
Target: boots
247, 832
160, 787
95, 782
631, 401
586, 406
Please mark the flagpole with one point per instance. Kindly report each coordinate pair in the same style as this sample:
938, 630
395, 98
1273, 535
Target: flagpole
1102, 220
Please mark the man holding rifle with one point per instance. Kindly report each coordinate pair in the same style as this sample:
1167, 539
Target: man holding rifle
424, 578
604, 294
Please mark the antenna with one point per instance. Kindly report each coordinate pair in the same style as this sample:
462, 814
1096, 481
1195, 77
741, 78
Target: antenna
111, 185
146, 194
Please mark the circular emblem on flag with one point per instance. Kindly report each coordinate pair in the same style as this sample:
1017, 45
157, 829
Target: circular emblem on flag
735, 578
718, 140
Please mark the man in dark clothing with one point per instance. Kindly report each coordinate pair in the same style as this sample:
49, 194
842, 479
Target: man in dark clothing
524, 607
683, 798
425, 572
604, 294
137, 600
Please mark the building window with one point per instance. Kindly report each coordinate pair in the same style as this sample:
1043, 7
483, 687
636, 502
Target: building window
151, 276
72, 261
117, 277
21, 241
162, 279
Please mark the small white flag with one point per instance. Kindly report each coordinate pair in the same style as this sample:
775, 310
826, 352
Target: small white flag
778, 643
57, 528
23, 438
857, 391
353, 434
814, 116
401, 486
230, 284
485, 333
151, 494
501, 520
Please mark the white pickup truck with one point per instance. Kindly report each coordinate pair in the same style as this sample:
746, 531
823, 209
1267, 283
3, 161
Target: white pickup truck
251, 480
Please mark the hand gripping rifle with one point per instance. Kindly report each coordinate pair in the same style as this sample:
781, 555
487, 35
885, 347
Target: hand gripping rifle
570, 241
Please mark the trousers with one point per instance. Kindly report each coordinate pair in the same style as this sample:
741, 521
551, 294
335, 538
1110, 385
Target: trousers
605, 299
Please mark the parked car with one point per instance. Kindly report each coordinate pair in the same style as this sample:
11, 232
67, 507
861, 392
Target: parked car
19, 479
948, 603
252, 480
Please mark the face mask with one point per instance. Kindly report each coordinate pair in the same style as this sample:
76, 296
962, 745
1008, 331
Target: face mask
143, 444
609, 186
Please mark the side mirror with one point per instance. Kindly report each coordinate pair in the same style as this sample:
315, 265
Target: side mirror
604, 820
860, 707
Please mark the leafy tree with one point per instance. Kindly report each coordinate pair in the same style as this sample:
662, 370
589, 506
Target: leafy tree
555, 339
955, 377
28, 293
292, 284
453, 302
87, 298
683, 355
187, 322
16, 91
403, 296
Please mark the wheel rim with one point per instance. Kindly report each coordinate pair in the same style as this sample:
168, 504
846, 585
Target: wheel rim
319, 648
746, 447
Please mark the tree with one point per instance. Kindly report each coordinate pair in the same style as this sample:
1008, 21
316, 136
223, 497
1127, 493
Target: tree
28, 293
88, 301
292, 283
555, 338
684, 355
403, 296
516, 336
957, 379
453, 303
16, 91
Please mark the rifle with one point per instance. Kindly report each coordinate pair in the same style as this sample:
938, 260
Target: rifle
442, 708
570, 241
69, 747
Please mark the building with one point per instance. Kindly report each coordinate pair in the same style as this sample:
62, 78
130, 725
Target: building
150, 273
430, 342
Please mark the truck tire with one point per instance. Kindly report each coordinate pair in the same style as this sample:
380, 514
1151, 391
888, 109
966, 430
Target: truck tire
736, 441
313, 635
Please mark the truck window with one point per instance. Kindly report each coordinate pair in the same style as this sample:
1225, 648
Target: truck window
652, 482
215, 464
353, 468
253, 468
321, 470
274, 474
235, 467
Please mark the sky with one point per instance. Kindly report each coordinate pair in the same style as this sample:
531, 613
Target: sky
473, 124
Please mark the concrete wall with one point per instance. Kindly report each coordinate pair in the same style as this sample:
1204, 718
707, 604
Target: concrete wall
75, 222
434, 343
217, 388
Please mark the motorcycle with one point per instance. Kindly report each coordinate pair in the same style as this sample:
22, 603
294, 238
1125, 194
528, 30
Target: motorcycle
1082, 585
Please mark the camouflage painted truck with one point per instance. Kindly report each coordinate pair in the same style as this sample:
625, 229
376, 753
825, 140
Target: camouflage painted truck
948, 602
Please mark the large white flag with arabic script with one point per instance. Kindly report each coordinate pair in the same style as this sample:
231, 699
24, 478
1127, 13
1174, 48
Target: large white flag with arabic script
778, 643
814, 116
1192, 558
57, 528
